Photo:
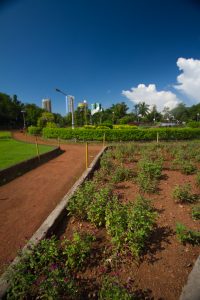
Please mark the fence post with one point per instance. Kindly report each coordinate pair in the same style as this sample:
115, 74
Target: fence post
104, 138
86, 155
157, 137
37, 148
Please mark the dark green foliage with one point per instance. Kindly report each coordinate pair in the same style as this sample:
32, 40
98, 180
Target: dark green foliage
148, 174
77, 251
182, 194
96, 209
33, 130
41, 274
196, 212
121, 174
130, 225
79, 202
112, 290
186, 235
123, 135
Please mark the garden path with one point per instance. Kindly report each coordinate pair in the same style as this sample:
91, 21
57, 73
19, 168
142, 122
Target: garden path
27, 201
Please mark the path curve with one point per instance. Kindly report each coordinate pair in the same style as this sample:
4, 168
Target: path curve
26, 201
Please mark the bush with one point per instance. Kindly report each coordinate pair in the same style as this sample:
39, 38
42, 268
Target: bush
112, 290
121, 174
123, 135
193, 124
33, 130
196, 212
186, 235
77, 251
182, 194
89, 127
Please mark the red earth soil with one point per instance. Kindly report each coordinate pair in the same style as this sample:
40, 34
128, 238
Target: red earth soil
27, 201
163, 270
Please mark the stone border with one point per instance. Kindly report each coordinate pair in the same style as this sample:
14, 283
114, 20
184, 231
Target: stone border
191, 291
19, 169
51, 221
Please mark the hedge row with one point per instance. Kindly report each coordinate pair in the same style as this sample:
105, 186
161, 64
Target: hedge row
34, 130
122, 135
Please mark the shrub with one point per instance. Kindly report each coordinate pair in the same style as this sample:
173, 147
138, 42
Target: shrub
96, 209
77, 251
196, 212
33, 130
140, 222
79, 202
182, 194
198, 179
148, 175
186, 235
40, 274
116, 222
112, 290
121, 174
187, 167
193, 124
123, 135
89, 127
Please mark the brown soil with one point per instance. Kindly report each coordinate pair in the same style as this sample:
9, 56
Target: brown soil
164, 268
27, 201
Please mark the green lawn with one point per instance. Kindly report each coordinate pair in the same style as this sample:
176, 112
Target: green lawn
5, 134
13, 152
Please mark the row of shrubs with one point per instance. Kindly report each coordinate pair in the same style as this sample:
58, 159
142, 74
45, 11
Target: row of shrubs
118, 134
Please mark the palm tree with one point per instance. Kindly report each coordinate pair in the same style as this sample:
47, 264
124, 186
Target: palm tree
142, 109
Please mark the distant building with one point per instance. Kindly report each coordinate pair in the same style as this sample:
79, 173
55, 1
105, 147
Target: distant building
95, 107
46, 104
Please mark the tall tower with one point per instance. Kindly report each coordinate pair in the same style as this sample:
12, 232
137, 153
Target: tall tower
46, 104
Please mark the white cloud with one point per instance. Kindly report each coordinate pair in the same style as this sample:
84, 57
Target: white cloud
151, 96
189, 80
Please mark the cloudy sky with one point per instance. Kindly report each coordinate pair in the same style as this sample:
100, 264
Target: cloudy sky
104, 51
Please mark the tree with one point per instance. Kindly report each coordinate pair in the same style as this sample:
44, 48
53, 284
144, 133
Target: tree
46, 117
32, 113
142, 109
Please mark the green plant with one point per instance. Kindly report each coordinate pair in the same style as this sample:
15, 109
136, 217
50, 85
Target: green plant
121, 174
116, 221
78, 204
182, 194
149, 173
112, 290
77, 251
196, 212
186, 235
96, 209
140, 222
187, 167
41, 274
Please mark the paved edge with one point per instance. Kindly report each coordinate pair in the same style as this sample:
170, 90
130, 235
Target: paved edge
191, 291
51, 220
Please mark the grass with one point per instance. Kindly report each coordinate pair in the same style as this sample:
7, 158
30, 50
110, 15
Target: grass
5, 135
13, 152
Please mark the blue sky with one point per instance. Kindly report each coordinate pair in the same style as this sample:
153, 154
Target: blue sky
104, 51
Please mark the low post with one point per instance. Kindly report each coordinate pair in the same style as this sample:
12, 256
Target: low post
58, 142
37, 148
157, 137
86, 155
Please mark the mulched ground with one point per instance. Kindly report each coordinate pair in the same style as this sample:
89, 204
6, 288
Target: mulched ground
164, 268
27, 201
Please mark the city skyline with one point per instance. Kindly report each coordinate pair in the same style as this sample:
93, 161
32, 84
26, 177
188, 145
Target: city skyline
101, 51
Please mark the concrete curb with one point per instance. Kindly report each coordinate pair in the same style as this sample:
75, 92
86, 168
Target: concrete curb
52, 220
191, 290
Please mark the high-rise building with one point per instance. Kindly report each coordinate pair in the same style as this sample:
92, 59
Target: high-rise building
46, 104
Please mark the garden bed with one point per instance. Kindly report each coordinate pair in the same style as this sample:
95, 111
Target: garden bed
124, 237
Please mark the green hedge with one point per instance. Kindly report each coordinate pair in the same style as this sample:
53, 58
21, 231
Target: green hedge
33, 130
122, 135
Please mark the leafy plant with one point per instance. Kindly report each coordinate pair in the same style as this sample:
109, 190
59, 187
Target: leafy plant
198, 179
96, 209
116, 221
112, 290
182, 194
196, 212
78, 204
120, 174
41, 274
187, 167
77, 250
149, 173
140, 222
186, 235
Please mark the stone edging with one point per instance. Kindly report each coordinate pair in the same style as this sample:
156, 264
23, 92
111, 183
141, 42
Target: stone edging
51, 221
19, 169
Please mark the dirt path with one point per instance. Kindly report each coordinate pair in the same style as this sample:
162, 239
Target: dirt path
26, 201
